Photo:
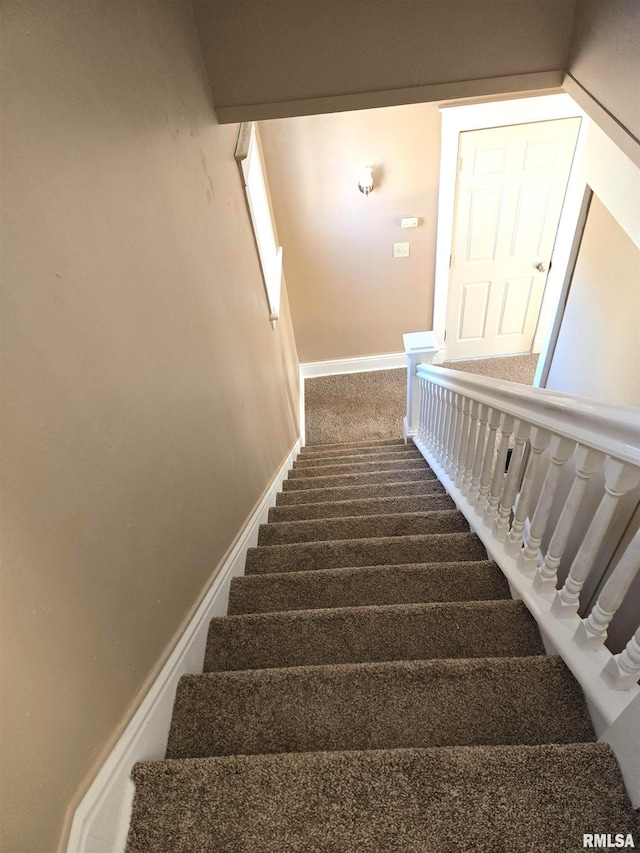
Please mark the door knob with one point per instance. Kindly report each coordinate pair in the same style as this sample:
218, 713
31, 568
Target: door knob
541, 267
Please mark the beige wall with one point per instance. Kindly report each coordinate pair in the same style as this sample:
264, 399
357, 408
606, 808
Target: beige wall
604, 58
146, 401
295, 50
349, 296
598, 350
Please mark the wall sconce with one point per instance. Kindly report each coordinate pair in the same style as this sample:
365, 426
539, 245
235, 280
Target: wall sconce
365, 181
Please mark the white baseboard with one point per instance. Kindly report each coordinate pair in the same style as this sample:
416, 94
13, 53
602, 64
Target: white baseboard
101, 821
361, 364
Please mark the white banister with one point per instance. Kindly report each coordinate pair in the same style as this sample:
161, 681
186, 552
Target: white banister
602, 426
467, 424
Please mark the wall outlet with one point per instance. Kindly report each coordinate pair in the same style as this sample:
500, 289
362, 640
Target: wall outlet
400, 250
409, 222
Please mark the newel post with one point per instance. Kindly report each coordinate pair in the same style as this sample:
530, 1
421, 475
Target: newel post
421, 348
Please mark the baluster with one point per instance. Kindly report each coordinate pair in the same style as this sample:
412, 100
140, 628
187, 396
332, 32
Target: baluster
539, 441
501, 523
623, 670
454, 432
464, 438
427, 413
478, 456
561, 450
432, 416
491, 510
620, 478
422, 406
448, 412
439, 422
489, 450
592, 631
587, 461
471, 448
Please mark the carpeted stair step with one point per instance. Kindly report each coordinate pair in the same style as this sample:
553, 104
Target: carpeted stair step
319, 461
363, 585
338, 451
362, 526
370, 478
340, 493
334, 467
389, 550
378, 706
388, 632
355, 446
514, 799
364, 506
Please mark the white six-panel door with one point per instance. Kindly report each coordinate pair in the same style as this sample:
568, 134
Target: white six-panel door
510, 188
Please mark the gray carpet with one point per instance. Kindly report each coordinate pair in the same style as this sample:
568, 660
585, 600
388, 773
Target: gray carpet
375, 689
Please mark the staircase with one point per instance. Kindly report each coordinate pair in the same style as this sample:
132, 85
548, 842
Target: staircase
375, 688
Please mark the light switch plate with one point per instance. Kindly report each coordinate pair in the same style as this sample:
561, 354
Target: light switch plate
400, 250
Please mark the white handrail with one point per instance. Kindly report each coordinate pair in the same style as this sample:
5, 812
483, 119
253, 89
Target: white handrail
518, 513
615, 430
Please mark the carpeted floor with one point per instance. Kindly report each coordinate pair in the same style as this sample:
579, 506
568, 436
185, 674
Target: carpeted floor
355, 406
368, 406
512, 368
375, 689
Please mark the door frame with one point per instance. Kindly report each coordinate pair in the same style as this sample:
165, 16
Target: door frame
459, 118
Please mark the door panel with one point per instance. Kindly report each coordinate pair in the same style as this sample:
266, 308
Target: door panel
510, 189
473, 314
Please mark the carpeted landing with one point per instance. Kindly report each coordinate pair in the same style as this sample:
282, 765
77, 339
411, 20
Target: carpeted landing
375, 688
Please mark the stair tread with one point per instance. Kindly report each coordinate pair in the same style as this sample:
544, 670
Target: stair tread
378, 442
362, 507
310, 472
362, 585
372, 633
378, 706
522, 798
350, 492
302, 556
346, 458
360, 527
365, 478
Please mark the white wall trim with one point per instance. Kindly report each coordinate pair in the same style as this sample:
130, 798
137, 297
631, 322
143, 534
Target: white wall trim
360, 364
101, 820
455, 120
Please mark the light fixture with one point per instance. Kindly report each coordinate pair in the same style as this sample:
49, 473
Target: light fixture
365, 181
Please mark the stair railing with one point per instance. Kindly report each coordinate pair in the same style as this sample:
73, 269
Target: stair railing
502, 450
